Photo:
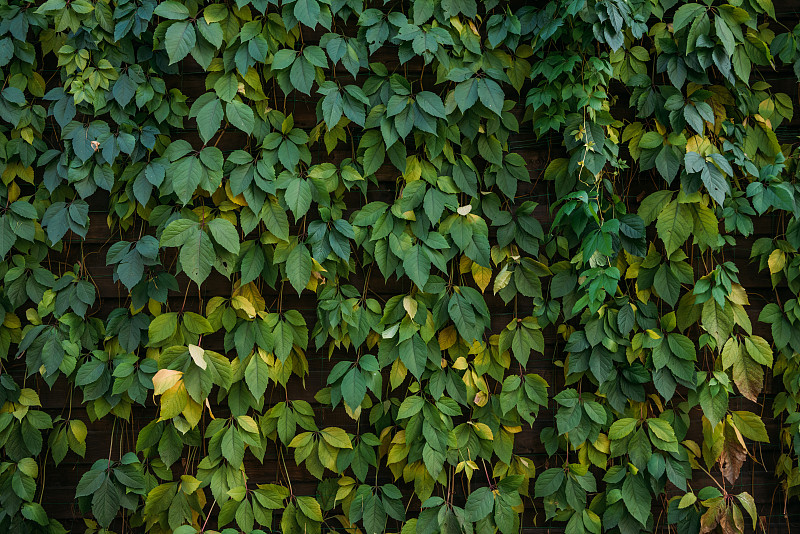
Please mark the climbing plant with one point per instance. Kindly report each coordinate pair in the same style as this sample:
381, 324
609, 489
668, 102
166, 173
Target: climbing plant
205, 203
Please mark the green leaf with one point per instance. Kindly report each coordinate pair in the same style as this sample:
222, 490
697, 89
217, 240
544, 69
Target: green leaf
186, 175
209, 119
636, 496
256, 376
549, 482
7, 237
232, 447
651, 140
197, 256
179, 40
162, 327
717, 321
654, 204
240, 115
225, 234
685, 15
307, 12
417, 265
298, 267
302, 73
674, 225
621, 428
758, 349
491, 95
479, 504
275, 219
252, 264
172, 10
105, 502
354, 388
374, 515
431, 103
463, 316
298, 197
595, 412
284, 340
749, 504
410, 407
750, 425
414, 355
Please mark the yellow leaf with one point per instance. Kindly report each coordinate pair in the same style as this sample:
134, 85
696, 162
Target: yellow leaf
165, 379
78, 429
482, 276
12, 321
192, 411
501, 280
413, 169
26, 173
460, 363
241, 303
173, 400
653, 334
238, 199
483, 431
197, 354
776, 261
189, 484
464, 265
27, 134
739, 295
251, 293
447, 338
154, 307
248, 424
13, 192
398, 373
410, 305
698, 144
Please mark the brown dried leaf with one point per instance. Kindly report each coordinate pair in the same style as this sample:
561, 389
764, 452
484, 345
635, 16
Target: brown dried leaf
732, 457
710, 519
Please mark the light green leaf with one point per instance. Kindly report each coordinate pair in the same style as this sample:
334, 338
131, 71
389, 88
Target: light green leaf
750, 425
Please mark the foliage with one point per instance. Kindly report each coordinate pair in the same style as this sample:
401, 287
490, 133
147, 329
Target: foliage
384, 234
